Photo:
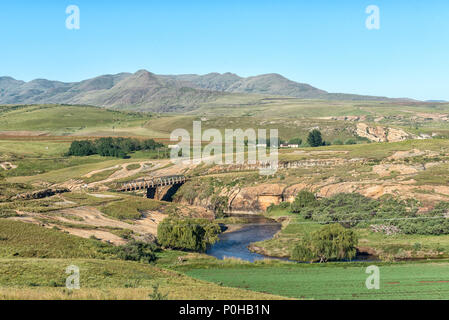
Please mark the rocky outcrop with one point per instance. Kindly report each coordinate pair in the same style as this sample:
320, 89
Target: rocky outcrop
307, 163
290, 192
7, 166
381, 134
39, 194
257, 198
384, 170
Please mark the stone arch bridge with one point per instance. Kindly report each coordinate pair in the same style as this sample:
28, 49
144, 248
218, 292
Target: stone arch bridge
159, 188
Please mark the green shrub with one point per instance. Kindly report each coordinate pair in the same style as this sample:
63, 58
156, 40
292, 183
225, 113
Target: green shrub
137, 251
283, 205
304, 199
424, 226
346, 208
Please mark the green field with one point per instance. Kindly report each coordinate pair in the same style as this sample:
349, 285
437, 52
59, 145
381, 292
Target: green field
292, 117
61, 120
335, 281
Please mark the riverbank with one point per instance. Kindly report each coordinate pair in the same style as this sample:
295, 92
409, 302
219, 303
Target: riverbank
371, 245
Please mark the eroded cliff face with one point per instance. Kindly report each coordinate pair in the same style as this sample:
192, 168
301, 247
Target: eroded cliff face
39, 194
257, 198
381, 134
394, 175
253, 199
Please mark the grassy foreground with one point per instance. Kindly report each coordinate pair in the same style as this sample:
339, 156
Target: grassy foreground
106, 279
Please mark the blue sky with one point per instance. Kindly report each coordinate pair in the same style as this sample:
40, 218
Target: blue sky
323, 43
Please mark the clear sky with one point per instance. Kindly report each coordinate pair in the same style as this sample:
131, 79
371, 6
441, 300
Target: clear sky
323, 43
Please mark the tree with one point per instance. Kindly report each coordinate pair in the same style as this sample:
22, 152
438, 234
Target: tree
219, 204
82, 148
314, 138
111, 147
187, 234
331, 242
304, 199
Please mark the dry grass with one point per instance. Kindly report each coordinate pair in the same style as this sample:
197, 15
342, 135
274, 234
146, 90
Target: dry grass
44, 279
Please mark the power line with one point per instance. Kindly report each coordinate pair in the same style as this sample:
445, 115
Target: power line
368, 220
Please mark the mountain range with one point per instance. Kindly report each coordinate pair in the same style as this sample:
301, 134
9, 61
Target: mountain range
146, 91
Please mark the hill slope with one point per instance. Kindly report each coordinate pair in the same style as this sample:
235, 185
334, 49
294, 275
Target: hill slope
146, 91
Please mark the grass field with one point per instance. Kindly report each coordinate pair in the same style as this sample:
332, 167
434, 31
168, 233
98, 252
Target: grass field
18, 239
130, 207
65, 119
106, 279
293, 117
335, 281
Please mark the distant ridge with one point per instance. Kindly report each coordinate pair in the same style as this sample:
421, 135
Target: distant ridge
146, 91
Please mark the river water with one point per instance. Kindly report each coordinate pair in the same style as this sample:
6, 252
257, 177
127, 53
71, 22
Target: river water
234, 244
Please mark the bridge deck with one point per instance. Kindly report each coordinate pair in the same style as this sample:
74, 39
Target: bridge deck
155, 182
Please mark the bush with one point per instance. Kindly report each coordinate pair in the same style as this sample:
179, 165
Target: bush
424, 226
187, 234
346, 208
331, 242
283, 205
383, 214
303, 200
137, 251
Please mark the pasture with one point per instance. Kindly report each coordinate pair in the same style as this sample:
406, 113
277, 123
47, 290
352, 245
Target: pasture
335, 280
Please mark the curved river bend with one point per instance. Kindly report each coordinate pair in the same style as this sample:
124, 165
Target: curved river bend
235, 243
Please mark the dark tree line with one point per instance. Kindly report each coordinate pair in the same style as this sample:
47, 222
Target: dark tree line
111, 147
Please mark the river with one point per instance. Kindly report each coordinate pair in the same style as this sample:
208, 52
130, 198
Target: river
235, 243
